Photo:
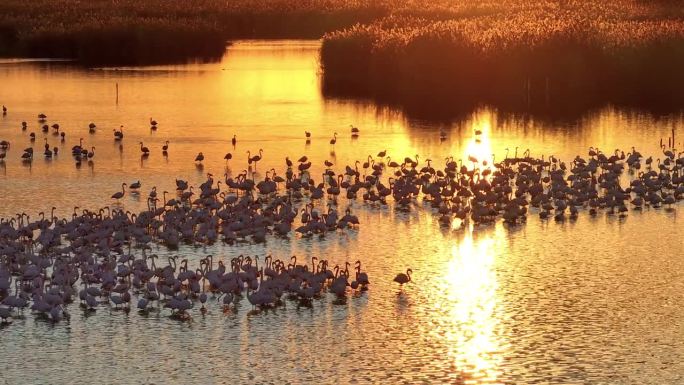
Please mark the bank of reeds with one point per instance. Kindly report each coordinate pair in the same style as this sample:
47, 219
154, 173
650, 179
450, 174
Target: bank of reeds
163, 31
527, 55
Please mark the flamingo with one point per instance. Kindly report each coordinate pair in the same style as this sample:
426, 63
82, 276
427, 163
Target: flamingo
119, 194
199, 158
5, 313
28, 154
254, 159
402, 278
118, 135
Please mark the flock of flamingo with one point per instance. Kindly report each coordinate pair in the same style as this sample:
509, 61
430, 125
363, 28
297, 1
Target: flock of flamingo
79, 151
105, 251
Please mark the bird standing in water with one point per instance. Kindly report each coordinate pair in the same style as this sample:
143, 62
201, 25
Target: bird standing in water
402, 278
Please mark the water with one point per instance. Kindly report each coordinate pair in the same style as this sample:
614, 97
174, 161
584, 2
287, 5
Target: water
593, 301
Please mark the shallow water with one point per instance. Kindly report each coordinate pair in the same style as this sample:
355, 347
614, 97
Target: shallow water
592, 301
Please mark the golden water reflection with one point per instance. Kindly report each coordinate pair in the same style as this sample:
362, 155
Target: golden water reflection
469, 325
467, 314
478, 148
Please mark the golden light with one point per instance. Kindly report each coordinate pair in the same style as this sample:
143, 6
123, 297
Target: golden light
479, 146
471, 310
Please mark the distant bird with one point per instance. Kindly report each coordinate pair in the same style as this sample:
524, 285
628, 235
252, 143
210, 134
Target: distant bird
199, 157
119, 194
5, 313
165, 147
334, 139
307, 133
4, 110
354, 130
234, 140
91, 128
144, 150
27, 155
153, 122
24, 125
118, 134
228, 157
134, 185
142, 304
402, 278
42, 117
254, 159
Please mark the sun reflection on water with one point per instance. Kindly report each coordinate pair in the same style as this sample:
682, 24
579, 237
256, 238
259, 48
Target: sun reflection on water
470, 323
479, 145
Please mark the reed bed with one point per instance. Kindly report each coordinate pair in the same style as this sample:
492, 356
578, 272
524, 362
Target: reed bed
426, 56
539, 54
162, 31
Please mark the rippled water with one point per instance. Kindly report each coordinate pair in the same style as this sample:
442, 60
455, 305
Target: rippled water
587, 302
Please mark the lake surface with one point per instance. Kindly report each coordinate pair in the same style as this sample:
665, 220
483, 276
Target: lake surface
595, 301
